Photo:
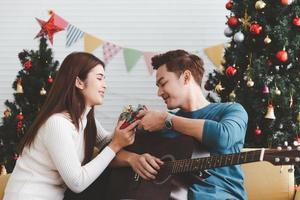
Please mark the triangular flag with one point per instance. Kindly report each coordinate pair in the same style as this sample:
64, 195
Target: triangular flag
147, 57
131, 56
73, 35
58, 21
215, 54
91, 43
109, 51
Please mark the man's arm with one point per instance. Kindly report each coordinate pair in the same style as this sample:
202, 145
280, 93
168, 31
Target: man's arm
190, 127
155, 120
221, 134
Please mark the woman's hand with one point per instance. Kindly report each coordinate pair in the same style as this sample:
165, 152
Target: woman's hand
123, 137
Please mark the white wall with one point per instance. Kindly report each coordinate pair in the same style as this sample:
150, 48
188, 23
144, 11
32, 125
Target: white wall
144, 25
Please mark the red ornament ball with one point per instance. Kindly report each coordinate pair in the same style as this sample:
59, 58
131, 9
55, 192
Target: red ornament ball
20, 116
258, 131
231, 71
255, 29
20, 124
229, 5
282, 56
233, 21
284, 2
28, 64
296, 21
50, 79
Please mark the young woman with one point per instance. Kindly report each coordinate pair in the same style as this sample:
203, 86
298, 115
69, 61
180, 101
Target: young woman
56, 152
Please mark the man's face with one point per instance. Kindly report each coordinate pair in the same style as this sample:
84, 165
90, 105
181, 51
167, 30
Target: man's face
170, 88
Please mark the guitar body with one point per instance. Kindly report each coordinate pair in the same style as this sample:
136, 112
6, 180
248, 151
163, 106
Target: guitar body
124, 182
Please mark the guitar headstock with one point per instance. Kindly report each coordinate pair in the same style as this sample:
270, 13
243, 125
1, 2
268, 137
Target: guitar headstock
283, 156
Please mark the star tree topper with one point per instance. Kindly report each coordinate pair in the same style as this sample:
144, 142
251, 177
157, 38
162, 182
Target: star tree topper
48, 28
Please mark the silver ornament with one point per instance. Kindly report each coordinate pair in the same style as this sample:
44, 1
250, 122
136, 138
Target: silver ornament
228, 32
238, 37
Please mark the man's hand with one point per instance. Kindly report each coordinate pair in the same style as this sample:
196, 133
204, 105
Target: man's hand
152, 120
145, 165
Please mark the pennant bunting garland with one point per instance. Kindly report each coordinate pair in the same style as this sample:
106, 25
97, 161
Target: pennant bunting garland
131, 56
58, 21
73, 35
215, 54
109, 51
148, 56
91, 42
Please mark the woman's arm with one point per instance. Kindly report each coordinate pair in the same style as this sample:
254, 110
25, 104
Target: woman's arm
58, 139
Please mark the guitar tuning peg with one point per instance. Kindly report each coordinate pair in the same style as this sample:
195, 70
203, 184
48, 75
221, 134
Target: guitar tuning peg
136, 177
285, 143
289, 148
291, 169
287, 159
277, 160
279, 148
297, 159
295, 143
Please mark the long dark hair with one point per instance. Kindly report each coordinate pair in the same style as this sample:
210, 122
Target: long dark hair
65, 96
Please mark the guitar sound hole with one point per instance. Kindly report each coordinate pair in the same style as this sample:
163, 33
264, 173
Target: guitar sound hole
164, 173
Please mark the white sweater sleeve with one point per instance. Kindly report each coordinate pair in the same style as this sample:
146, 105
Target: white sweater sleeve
103, 136
57, 137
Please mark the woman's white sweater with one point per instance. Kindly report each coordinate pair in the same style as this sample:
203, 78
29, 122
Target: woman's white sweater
53, 162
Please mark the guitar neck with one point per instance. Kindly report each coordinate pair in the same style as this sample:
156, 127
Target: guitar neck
200, 164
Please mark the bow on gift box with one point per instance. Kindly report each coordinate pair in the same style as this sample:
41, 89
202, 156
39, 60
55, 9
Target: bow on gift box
129, 114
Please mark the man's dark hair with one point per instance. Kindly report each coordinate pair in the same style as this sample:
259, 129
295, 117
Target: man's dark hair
178, 61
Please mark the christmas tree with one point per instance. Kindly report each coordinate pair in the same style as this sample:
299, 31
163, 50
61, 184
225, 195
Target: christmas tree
261, 69
31, 86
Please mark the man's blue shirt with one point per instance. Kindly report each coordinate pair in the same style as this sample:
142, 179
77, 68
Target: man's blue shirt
223, 133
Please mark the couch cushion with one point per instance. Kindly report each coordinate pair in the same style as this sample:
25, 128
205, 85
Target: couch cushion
268, 182
3, 181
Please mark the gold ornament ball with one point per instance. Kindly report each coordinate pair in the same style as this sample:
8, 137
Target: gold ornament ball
19, 89
7, 113
43, 91
260, 5
250, 83
267, 40
277, 91
219, 88
223, 61
232, 96
3, 170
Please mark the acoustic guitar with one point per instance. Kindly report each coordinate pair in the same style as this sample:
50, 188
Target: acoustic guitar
176, 153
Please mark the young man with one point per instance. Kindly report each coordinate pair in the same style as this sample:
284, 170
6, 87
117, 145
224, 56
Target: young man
219, 127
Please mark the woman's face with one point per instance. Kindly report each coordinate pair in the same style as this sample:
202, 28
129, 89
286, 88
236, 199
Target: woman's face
94, 86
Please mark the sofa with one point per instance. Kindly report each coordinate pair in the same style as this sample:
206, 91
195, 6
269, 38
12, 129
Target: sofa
263, 181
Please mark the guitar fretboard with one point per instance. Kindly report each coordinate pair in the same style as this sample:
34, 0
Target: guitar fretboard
200, 164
